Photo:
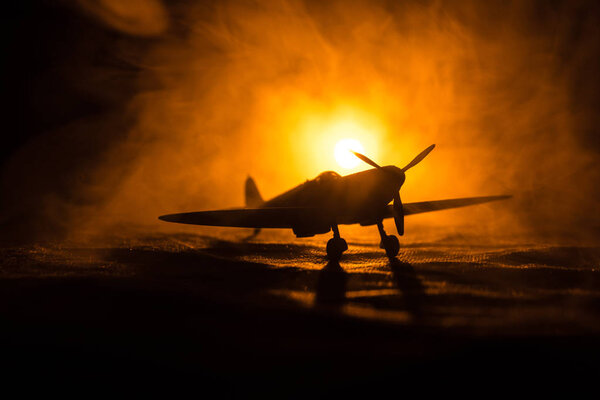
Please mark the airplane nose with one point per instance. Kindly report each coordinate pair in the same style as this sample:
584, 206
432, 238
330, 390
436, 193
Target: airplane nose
401, 177
395, 179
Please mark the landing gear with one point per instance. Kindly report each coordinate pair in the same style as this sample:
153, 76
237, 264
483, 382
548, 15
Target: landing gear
388, 242
336, 246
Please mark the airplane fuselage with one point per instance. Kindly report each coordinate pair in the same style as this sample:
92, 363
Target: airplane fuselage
356, 198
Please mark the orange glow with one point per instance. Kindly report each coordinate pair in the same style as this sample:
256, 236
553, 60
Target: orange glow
221, 97
326, 138
343, 152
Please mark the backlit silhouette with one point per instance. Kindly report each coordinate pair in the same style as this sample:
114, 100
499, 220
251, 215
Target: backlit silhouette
320, 205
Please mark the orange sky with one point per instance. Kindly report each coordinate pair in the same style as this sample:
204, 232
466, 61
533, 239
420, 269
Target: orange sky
267, 88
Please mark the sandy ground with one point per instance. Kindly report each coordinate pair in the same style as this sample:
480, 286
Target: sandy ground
271, 315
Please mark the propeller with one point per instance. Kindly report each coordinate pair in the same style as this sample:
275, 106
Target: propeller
367, 160
398, 214
418, 158
397, 207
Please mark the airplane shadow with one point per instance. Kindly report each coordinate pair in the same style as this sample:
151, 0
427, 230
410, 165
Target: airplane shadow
332, 285
410, 285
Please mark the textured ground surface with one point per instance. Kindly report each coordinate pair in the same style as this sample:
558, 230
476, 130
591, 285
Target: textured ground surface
237, 313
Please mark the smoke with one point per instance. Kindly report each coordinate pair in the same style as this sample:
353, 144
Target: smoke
134, 17
220, 90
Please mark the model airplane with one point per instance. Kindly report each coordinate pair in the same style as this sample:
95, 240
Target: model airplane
320, 205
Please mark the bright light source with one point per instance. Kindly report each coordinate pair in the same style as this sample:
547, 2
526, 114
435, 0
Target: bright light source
343, 152
323, 140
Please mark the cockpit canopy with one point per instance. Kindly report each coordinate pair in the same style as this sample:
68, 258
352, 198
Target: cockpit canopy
327, 176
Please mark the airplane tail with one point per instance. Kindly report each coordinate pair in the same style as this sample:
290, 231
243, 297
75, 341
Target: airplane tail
253, 197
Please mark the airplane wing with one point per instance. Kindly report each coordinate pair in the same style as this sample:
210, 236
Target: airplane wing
290, 217
436, 205
274, 217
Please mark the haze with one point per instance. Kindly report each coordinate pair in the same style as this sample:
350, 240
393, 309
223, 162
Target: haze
150, 107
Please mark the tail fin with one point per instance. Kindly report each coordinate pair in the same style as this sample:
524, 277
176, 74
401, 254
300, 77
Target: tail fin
253, 197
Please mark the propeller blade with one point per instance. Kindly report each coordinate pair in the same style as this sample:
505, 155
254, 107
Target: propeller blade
367, 160
419, 158
398, 214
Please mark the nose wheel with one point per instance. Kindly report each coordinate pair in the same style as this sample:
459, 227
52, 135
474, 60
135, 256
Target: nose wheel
336, 246
388, 242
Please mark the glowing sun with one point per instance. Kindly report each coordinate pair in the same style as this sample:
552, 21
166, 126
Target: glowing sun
343, 152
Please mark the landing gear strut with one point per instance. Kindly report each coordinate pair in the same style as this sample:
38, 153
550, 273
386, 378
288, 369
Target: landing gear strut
388, 242
336, 246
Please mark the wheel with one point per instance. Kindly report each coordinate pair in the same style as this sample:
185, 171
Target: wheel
335, 248
391, 245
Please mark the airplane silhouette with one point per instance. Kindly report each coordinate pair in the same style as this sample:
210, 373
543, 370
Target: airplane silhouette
320, 205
